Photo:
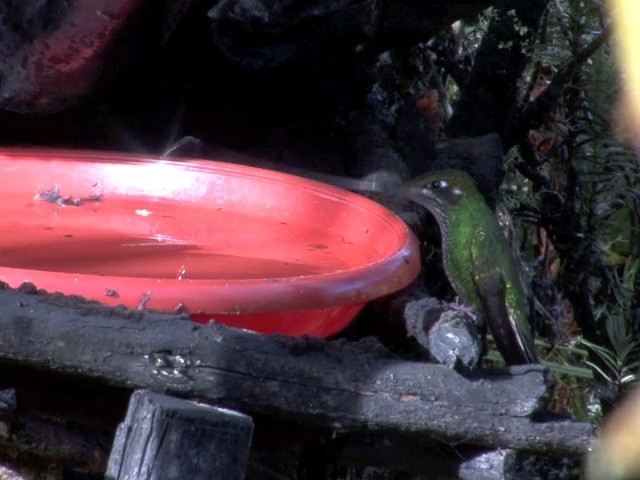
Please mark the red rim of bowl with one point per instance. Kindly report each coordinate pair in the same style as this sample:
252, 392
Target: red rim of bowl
352, 286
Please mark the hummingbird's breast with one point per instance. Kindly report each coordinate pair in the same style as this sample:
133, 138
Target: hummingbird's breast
457, 256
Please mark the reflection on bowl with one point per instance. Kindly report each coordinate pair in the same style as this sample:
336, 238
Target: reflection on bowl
247, 247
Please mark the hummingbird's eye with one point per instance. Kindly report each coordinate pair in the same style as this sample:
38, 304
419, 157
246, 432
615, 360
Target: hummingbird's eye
438, 184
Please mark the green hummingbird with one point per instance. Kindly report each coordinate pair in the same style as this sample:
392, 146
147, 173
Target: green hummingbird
477, 259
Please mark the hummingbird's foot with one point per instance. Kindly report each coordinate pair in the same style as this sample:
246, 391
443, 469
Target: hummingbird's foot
464, 309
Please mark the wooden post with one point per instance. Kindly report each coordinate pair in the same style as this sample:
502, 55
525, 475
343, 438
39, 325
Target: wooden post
164, 437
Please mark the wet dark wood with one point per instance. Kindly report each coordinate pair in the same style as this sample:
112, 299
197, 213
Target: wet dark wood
336, 385
166, 437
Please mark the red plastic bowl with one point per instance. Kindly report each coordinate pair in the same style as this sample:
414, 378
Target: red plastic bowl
246, 247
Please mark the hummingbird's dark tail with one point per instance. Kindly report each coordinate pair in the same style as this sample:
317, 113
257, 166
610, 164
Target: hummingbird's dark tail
511, 333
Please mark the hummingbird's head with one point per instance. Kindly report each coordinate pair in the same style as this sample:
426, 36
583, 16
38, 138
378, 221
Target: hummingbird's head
441, 191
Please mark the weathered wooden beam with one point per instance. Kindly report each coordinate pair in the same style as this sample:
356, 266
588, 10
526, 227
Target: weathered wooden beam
166, 437
337, 385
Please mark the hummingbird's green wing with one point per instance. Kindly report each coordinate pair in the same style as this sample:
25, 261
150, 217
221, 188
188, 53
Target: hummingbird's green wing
502, 296
513, 341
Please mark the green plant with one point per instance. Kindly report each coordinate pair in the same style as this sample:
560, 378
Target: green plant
619, 361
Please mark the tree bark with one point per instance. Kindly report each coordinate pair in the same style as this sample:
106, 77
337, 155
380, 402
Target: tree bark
491, 91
